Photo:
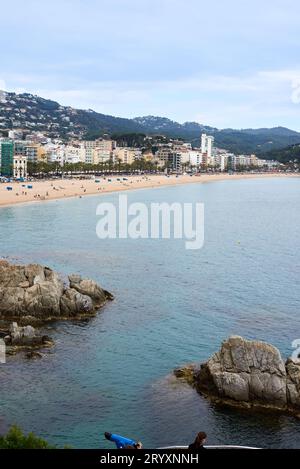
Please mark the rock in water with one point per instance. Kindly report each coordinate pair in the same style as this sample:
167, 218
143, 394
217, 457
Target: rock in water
33, 354
26, 337
39, 292
21, 335
248, 374
90, 288
293, 382
73, 303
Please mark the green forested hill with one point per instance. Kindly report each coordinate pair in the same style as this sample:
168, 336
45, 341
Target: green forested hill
30, 113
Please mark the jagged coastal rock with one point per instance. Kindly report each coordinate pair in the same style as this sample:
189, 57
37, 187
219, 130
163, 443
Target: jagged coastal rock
246, 373
26, 337
38, 292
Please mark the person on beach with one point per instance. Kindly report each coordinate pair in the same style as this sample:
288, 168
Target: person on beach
199, 442
121, 442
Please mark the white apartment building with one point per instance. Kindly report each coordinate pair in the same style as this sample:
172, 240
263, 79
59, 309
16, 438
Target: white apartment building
185, 157
55, 154
238, 161
207, 143
103, 151
89, 147
270, 164
74, 154
195, 158
20, 166
98, 151
220, 159
244, 161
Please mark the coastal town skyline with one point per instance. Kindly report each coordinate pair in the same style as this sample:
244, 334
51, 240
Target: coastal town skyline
104, 155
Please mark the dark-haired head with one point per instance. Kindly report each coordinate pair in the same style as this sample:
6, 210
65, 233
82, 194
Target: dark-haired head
200, 439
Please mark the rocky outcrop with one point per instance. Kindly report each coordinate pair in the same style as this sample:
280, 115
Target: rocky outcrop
73, 303
249, 374
293, 383
18, 338
39, 292
90, 289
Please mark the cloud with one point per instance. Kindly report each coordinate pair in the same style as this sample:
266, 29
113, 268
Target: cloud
216, 100
233, 62
262, 98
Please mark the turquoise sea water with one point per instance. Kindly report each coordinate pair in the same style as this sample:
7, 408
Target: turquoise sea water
172, 306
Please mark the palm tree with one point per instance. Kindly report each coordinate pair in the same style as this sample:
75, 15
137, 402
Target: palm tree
119, 165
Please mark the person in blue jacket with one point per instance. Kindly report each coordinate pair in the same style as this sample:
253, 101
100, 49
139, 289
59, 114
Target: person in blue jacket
121, 442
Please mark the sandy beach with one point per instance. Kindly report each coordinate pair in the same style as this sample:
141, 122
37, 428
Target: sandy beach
64, 188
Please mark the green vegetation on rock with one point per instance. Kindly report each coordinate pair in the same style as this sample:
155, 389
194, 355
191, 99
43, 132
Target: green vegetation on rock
16, 439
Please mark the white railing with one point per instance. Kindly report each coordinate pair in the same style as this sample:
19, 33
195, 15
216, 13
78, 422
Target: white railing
211, 447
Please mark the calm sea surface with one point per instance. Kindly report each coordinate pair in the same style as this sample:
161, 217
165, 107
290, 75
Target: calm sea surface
172, 306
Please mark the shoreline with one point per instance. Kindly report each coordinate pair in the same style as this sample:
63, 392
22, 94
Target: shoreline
57, 189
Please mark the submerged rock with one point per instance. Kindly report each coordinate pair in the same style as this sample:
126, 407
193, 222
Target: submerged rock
33, 354
39, 292
249, 374
186, 373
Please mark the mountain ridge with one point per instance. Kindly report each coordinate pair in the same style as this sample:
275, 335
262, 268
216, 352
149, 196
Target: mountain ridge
31, 112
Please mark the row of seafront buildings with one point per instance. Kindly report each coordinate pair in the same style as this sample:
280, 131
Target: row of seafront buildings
183, 156
173, 155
